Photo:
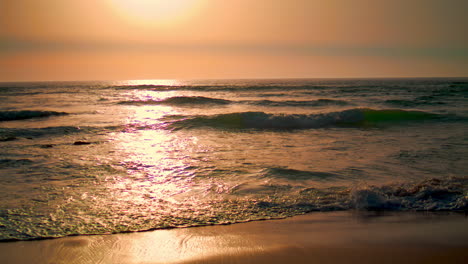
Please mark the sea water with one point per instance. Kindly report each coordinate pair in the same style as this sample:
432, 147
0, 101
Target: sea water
123, 156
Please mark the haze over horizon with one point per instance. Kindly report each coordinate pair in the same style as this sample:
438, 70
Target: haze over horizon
209, 39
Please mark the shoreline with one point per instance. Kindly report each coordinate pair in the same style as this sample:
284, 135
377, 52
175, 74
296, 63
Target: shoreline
319, 237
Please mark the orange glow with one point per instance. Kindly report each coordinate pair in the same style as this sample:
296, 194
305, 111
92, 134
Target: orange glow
153, 12
199, 39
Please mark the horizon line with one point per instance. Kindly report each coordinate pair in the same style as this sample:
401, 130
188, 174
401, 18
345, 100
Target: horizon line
243, 78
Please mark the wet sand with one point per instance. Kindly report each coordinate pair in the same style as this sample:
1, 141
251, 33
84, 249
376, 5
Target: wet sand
336, 237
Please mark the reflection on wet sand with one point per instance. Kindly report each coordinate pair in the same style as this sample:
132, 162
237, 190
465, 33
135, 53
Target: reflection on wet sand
336, 237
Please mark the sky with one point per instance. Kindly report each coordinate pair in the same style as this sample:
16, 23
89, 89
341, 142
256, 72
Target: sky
198, 39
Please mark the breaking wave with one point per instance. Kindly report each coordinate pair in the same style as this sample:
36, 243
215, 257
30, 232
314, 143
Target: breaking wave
27, 114
428, 195
261, 120
447, 194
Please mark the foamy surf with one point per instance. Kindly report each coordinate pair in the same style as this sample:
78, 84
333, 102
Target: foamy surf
244, 202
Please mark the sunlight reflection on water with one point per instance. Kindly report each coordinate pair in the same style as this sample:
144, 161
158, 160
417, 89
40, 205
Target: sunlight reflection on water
151, 82
160, 165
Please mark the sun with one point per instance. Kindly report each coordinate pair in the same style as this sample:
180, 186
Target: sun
153, 12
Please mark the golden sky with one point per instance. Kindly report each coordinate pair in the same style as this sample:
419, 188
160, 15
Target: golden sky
187, 39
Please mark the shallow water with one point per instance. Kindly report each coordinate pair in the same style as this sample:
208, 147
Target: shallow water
108, 157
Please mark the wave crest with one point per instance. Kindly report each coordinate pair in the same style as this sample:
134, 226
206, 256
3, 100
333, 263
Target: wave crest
27, 114
261, 120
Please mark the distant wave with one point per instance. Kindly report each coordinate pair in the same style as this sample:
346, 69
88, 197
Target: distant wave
261, 120
319, 102
180, 100
201, 100
27, 114
234, 87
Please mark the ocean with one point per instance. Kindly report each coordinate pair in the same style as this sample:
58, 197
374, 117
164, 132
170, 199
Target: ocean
122, 156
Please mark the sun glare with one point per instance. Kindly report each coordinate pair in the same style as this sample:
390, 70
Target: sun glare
154, 12
158, 82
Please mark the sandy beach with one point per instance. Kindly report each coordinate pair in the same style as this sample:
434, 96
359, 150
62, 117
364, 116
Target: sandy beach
335, 237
